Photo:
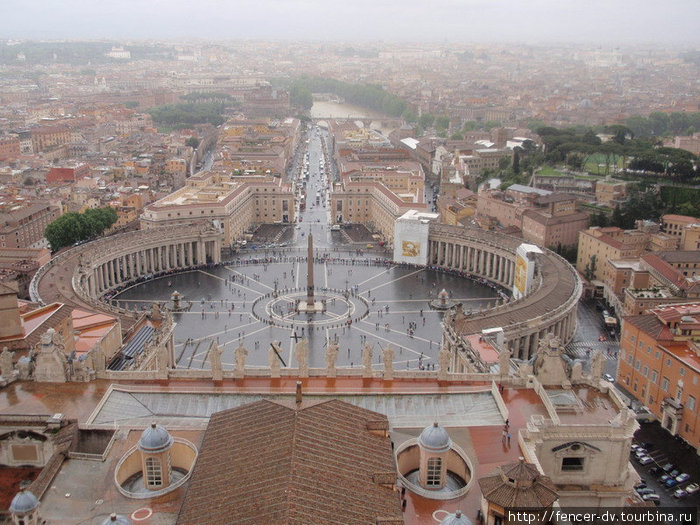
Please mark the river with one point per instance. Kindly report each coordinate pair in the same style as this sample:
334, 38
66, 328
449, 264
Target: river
323, 108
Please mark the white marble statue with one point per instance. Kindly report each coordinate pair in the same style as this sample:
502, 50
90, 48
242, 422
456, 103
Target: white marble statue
273, 359
240, 355
301, 354
215, 361
331, 359
367, 360
388, 358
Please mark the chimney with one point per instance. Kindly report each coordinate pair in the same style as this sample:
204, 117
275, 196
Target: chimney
298, 392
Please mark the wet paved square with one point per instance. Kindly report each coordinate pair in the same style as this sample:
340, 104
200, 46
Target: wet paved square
386, 304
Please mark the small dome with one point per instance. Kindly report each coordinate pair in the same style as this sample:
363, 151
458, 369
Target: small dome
117, 519
23, 503
155, 439
456, 519
435, 438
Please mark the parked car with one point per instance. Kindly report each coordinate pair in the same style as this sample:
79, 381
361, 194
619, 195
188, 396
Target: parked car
668, 467
640, 452
670, 483
609, 378
681, 478
640, 485
692, 488
645, 460
645, 490
634, 447
680, 493
652, 497
675, 472
665, 478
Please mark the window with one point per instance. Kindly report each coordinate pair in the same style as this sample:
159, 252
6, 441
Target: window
572, 464
433, 474
654, 376
691, 403
682, 371
154, 475
645, 371
668, 362
637, 364
664, 384
657, 355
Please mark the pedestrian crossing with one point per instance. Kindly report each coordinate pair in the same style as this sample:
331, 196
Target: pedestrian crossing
578, 349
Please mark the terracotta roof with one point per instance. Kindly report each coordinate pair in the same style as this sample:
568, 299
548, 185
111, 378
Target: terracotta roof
650, 325
268, 463
518, 485
679, 218
680, 256
667, 271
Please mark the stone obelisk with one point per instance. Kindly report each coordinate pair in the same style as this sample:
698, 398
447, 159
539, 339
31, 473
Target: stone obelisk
310, 274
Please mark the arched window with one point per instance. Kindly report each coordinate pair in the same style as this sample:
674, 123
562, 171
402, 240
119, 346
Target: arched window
433, 478
154, 474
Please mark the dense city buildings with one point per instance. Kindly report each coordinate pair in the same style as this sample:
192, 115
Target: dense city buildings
659, 365
302, 298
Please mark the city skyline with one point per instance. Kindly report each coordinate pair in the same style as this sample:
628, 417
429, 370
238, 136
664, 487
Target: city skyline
467, 21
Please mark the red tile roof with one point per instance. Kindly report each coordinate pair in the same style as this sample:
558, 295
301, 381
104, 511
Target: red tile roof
268, 463
650, 325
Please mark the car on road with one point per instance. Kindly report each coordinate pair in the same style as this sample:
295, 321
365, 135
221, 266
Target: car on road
609, 378
692, 488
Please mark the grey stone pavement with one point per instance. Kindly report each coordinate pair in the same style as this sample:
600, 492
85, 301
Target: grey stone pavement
394, 308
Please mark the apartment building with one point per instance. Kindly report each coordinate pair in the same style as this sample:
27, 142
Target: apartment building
370, 203
598, 245
22, 226
67, 173
46, 138
544, 218
610, 192
406, 179
10, 147
233, 204
660, 366
675, 225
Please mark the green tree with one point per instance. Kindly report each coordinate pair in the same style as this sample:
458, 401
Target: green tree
442, 122
426, 120
192, 142
72, 227
589, 270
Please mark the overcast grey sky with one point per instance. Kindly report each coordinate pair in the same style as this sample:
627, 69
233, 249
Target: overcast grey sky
532, 21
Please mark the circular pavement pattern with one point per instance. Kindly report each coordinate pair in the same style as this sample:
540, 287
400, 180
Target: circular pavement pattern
251, 303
